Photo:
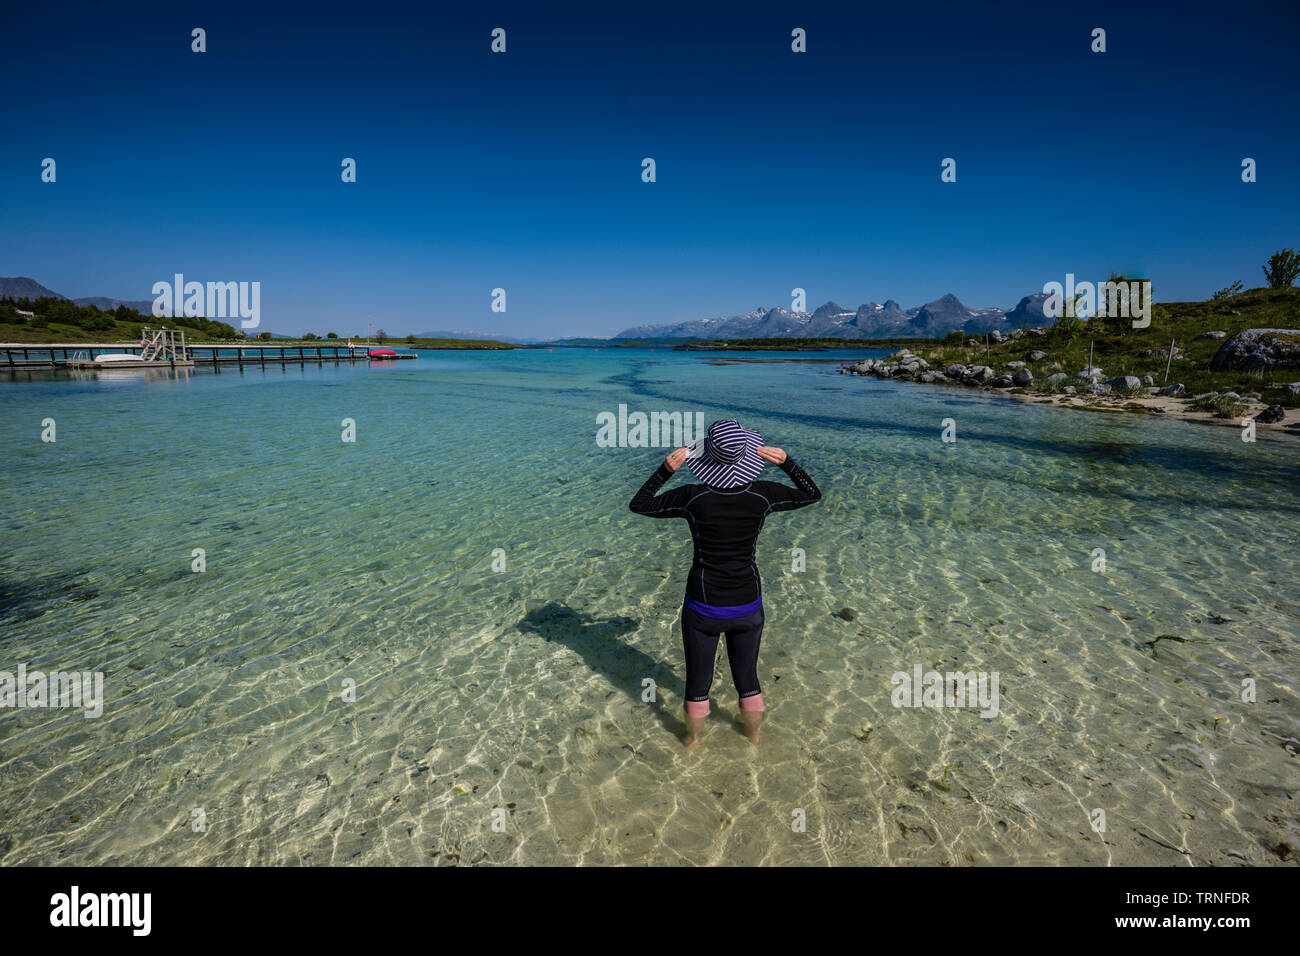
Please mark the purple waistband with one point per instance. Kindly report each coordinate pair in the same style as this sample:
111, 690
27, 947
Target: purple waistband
722, 613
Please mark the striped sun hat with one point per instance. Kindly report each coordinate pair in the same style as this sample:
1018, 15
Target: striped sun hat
725, 457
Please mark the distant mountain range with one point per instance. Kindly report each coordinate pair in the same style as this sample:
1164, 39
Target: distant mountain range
458, 334
832, 320
871, 321
21, 287
143, 306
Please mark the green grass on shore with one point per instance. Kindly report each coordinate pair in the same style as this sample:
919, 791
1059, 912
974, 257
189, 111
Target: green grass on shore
123, 332
1119, 353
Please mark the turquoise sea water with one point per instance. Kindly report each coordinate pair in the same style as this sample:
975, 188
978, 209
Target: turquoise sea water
500, 716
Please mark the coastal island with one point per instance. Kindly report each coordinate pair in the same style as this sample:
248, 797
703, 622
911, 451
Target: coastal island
47, 319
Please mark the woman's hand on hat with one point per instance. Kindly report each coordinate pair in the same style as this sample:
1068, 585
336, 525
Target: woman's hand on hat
675, 459
775, 455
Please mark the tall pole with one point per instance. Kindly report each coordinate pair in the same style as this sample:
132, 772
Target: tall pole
1169, 361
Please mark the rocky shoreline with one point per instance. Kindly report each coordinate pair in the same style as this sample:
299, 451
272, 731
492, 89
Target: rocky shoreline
1088, 388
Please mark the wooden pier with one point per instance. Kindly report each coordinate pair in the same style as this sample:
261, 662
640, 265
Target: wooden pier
81, 355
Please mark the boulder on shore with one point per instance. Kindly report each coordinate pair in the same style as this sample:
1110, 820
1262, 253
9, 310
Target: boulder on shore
1176, 389
1274, 413
1256, 350
1023, 377
1125, 381
1035, 355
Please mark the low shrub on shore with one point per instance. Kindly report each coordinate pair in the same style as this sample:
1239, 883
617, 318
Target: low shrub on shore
1220, 405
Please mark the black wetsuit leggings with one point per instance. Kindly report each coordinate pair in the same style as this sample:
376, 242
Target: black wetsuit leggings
700, 638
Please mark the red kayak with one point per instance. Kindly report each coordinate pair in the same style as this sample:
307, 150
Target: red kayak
382, 353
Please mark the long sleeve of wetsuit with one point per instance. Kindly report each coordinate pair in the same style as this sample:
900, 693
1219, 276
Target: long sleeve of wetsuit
785, 498
671, 504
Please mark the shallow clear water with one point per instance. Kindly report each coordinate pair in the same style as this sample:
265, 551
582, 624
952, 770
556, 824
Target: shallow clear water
521, 691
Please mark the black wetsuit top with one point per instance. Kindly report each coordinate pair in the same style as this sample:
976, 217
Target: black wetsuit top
725, 527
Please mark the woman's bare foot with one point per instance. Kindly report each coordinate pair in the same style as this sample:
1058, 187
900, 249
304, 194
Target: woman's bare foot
750, 719
693, 725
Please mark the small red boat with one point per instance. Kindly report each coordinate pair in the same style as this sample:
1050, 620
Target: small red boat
382, 353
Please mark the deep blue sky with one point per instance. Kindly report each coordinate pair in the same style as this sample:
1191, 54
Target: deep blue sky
522, 170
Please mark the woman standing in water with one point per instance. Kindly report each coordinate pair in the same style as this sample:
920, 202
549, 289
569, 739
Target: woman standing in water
723, 593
